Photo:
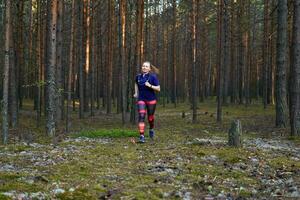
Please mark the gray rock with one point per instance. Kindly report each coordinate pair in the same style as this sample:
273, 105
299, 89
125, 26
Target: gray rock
295, 194
187, 196
58, 191
38, 195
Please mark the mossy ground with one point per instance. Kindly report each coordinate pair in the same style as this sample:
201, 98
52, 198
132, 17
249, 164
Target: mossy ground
170, 167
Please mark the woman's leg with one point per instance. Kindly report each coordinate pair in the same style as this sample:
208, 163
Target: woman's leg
151, 105
142, 112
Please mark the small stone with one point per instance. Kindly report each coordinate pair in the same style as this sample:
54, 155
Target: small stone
187, 196
254, 191
166, 194
221, 196
254, 160
178, 194
292, 189
277, 192
208, 197
209, 188
58, 191
295, 194
21, 196
37, 195
9, 194
289, 182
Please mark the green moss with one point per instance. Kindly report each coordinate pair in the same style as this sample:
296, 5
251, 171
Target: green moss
3, 197
295, 139
11, 181
232, 155
19, 186
78, 194
244, 193
113, 133
7, 176
285, 162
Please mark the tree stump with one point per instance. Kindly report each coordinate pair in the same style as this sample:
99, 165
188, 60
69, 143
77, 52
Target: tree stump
235, 134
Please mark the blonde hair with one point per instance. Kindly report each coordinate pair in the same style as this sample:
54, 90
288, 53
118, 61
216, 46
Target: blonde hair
153, 68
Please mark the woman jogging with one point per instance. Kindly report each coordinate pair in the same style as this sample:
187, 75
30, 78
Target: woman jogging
146, 84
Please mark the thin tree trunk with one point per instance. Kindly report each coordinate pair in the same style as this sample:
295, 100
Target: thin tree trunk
138, 57
19, 71
59, 70
110, 57
39, 50
123, 56
8, 52
194, 53
13, 105
220, 56
174, 89
226, 52
92, 55
233, 58
71, 67
280, 95
295, 73
51, 65
87, 48
80, 58
241, 53
247, 46
265, 53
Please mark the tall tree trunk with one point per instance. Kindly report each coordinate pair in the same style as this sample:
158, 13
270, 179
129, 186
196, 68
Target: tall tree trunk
71, 67
247, 46
16, 59
265, 53
93, 54
295, 73
139, 48
281, 64
40, 52
60, 69
174, 89
51, 65
123, 56
233, 57
241, 53
165, 57
225, 29
194, 53
80, 56
110, 57
87, 48
272, 60
221, 57
8, 52
19, 71
13, 85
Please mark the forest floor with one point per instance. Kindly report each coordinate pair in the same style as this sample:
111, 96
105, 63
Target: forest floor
185, 161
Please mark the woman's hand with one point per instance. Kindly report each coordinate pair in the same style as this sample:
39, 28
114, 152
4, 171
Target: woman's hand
136, 91
153, 87
148, 84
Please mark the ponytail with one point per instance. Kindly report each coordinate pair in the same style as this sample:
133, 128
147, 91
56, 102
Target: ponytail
154, 69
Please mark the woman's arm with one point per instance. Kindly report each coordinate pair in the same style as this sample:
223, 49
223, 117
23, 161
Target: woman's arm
136, 91
156, 88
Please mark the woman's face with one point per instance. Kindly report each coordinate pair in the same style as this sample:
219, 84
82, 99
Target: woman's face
145, 68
